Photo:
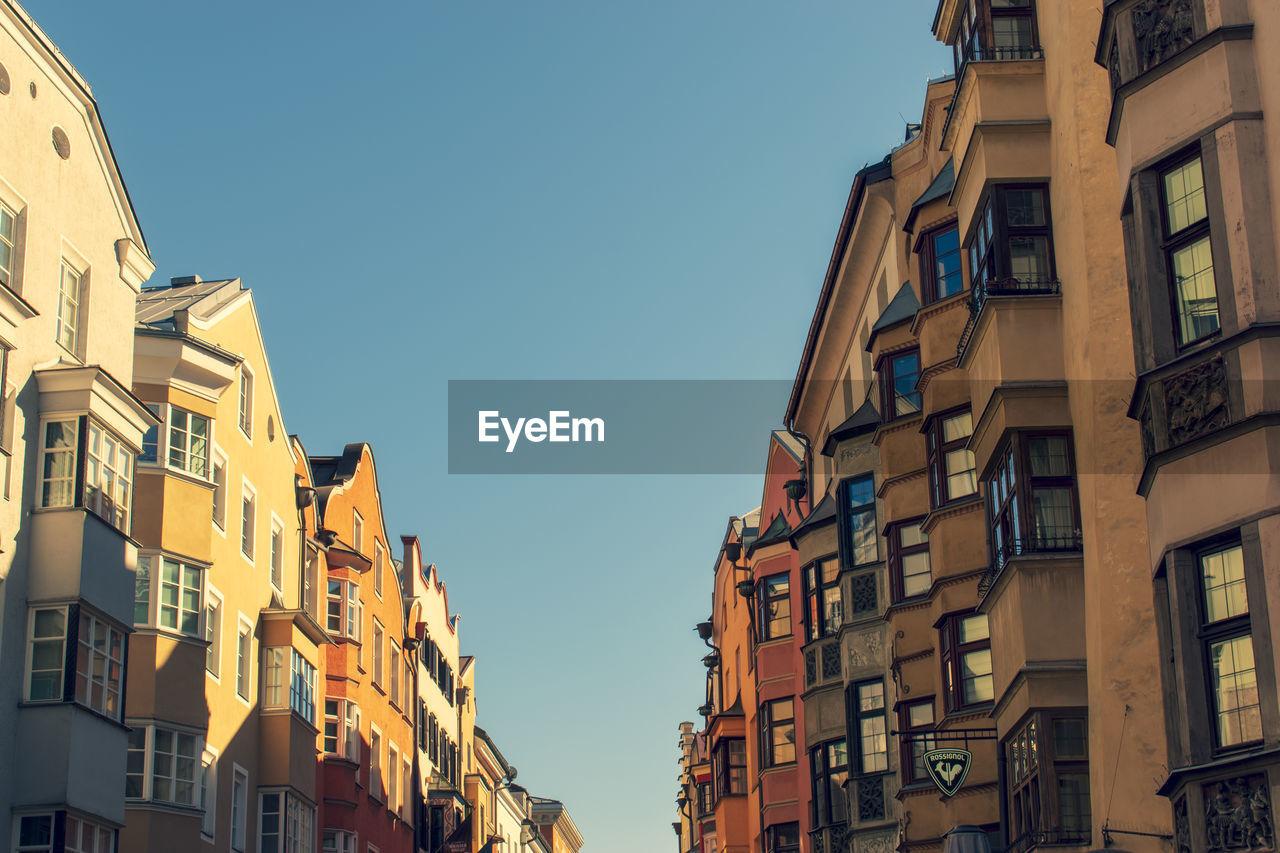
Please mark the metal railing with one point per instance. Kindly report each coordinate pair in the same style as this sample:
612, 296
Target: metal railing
1048, 837
1061, 541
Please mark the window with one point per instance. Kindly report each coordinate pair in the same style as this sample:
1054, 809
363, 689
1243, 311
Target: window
35, 834
163, 765
70, 295
823, 614
176, 590
343, 609
1187, 250
864, 703
951, 463
302, 687
246, 401
220, 490
782, 838
212, 634
311, 584
209, 793
1047, 781
338, 841
277, 554
407, 704
248, 520
108, 477
916, 721
342, 729
244, 658
393, 690
898, 377
995, 30
285, 824
357, 531
858, 521
829, 763
239, 808
377, 567
940, 264
729, 766
8, 244
778, 732
106, 466
375, 763
406, 787
966, 661
1011, 250
377, 652
1228, 642
189, 436
909, 560
1031, 496
151, 438
94, 662
393, 777
773, 602
84, 836
273, 677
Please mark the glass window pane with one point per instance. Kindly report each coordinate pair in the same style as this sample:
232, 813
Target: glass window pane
974, 628
1196, 290
1184, 196
1049, 456
1224, 586
1029, 259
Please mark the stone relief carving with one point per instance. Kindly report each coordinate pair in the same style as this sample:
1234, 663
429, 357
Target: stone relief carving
1196, 401
876, 844
1181, 826
1238, 814
865, 649
1113, 64
1161, 28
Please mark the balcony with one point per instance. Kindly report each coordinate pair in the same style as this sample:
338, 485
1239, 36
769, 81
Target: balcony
1052, 542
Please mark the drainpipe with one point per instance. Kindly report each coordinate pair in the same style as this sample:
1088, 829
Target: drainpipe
807, 464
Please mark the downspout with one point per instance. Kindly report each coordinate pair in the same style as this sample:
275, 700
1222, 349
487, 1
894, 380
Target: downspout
807, 464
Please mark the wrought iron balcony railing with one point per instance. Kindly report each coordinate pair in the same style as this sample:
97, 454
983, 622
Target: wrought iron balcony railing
1056, 541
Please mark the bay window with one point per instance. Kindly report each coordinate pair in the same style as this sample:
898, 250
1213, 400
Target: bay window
777, 732
823, 613
1011, 249
729, 767
966, 661
782, 838
995, 30
342, 729
899, 374
1228, 642
909, 566
286, 824
1047, 781
864, 705
189, 438
1187, 250
168, 594
915, 720
104, 465
857, 515
302, 686
36, 834
829, 764
74, 655
940, 271
163, 765
951, 464
1031, 496
773, 604
339, 841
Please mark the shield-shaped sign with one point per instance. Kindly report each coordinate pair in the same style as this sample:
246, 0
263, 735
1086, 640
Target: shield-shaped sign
947, 768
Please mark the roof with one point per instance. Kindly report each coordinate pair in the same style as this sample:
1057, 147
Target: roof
823, 514
777, 531
941, 186
864, 420
502, 762
790, 444
901, 308
867, 175
157, 306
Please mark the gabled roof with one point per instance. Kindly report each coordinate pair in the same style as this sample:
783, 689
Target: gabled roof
777, 531
823, 514
941, 186
864, 420
157, 307
901, 308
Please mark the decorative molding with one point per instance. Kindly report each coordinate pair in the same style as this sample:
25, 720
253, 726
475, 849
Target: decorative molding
1161, 28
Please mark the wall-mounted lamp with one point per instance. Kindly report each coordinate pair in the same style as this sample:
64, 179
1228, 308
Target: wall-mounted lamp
705, 710
733, 550
304, 495
327, 538
795, 489
747, 588
712, 660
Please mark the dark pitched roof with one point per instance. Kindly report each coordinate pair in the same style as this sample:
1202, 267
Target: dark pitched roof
777, 531
941, 186
864, 420
901, 308
823, 514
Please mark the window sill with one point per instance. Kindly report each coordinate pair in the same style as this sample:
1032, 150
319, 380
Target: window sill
162, 806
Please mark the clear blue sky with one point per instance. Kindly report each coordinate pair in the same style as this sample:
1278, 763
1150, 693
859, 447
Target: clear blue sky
510, 189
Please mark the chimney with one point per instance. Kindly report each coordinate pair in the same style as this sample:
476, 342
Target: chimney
182, 280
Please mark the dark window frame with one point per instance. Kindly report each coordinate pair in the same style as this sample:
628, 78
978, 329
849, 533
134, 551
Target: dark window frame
862, 488
952, 656
889, 372
1222, 630
776, 842
929, 256
937, 449
856, 716
1034, 769
1172, 242
897, 551
768, 724
1010, 489
765, 598
727, 782
817, 623
911, 738
975, 37
987, 249
828, 805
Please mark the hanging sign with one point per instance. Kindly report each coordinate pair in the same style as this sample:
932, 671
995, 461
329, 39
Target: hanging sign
947, 768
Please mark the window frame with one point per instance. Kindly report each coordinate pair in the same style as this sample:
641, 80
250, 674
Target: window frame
213, 601
1033, 770
13, 242
350, 613
75, 653
826, 791
239, 808
774, 844
156, 564
987, 249
218, 462
69, 332
276, 553
248, 520
929, 257
150, 733
185, 452
952, 654
915, 740
848, 513
890, 374
77, 485
244, 659
857, 717
1010, 497
898, 554
1232, 627
767, 598
245, 401
729, 774
346, 729
820, 619
1190, 235
770, 723
938, 451
975, 36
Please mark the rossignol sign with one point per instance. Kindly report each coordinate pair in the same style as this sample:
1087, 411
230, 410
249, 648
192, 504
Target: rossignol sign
947, 768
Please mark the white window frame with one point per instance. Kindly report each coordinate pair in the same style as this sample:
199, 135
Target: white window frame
213, 633
248, 520
379, 557
275, 678
376, 788
209, 793
69, 331
218, 462
393, 781
244, 407
98, 834
33, 848
295, 822
244, 659
155, 568
304, 671
108, 476
345, 841
116, 513
357, 531
86, 653
350, 609
187, 443
150, 763
29, 650
346, 719
395, 668
239, 808
379, 674
16, 207
275, 558
406, 787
